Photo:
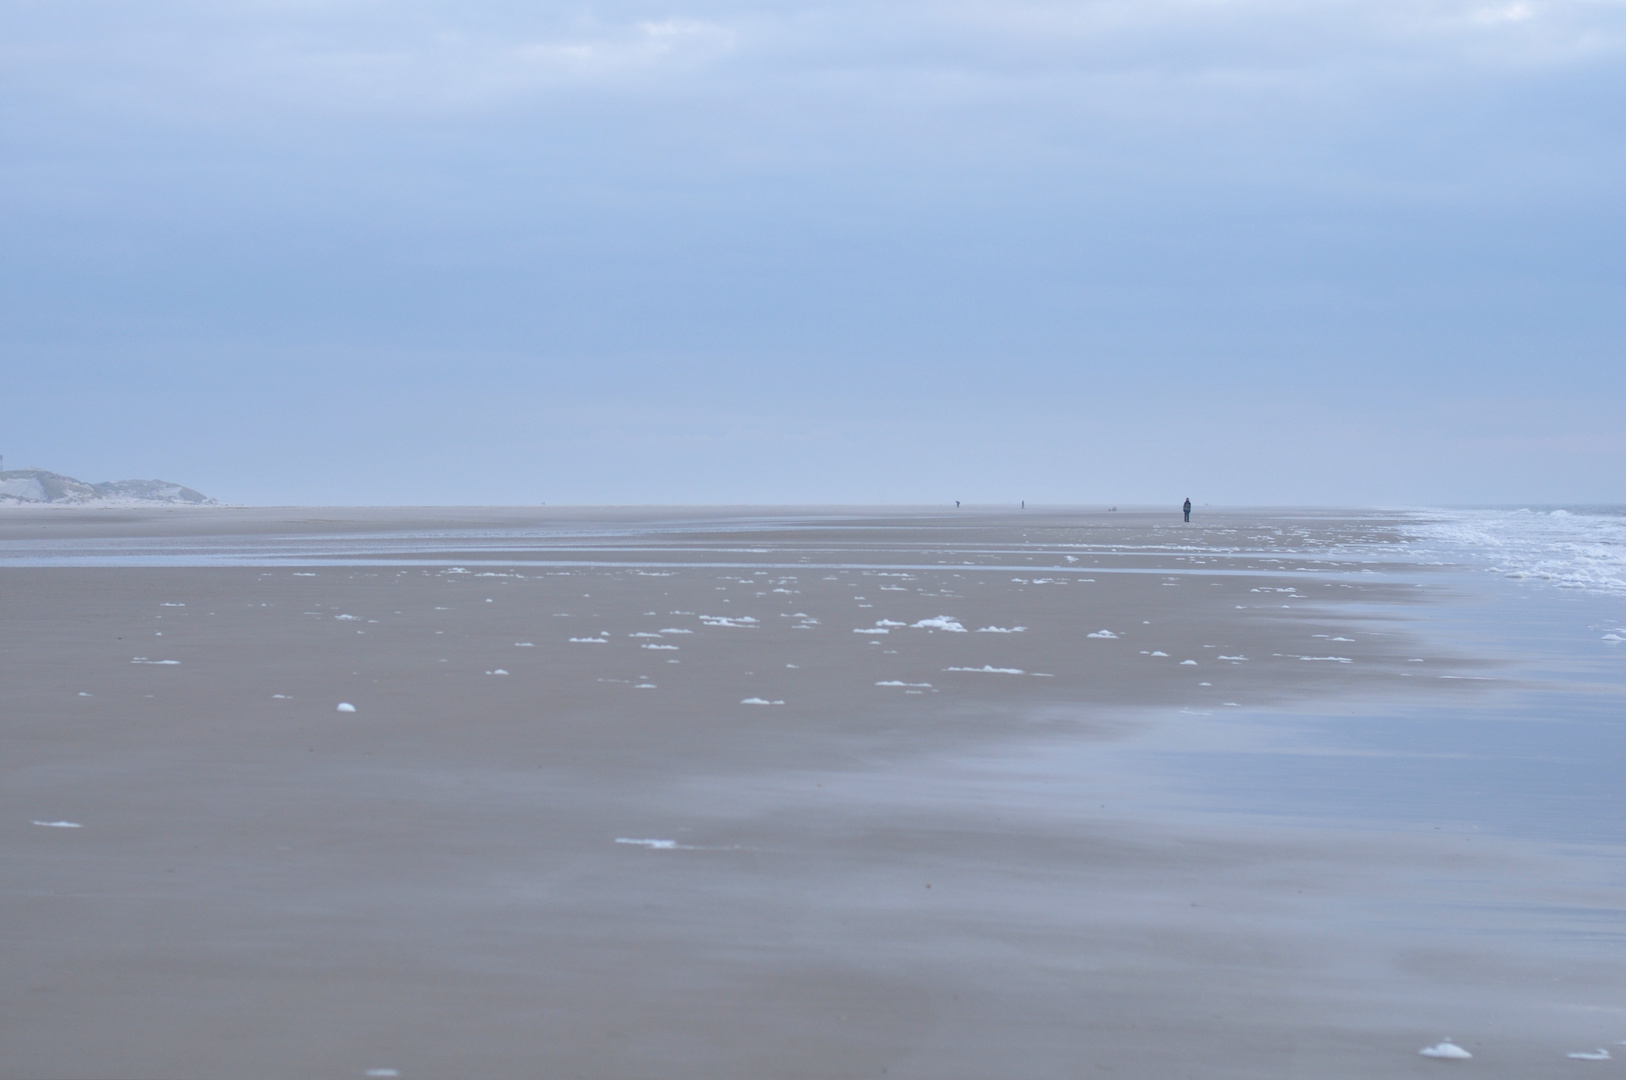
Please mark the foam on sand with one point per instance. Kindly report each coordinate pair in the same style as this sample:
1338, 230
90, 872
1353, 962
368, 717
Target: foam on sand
345, 706
940, 622
590, 640
896, 682
759, 701
744, 622
1002, 629
653, 845
990, 669
60, 824
1447, 1049
1600, 1054
144, 660
1107, 634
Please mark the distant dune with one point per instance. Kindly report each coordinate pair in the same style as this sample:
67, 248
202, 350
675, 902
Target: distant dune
36, 487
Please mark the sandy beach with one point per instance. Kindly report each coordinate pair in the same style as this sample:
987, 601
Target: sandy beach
759, 793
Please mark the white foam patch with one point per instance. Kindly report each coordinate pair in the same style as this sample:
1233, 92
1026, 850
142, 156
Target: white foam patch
1335, 659
345, 706
524, 644
671, 647
166, 604
1233, 657
744, 622
759, 701
348, 618
60, 824
382, 1072
889, 622
144, 660
653, 845
1158, 652
940, 622
895, 682
675, 630
590, 641
1002, 629
498, 671
283, 697
1107, 634
990, 670
1600, 1054
644, 633
1447, 1049
1188, 663
872, 630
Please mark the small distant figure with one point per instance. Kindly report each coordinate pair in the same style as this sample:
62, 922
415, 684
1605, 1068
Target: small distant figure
1187, 509
956, 504
1024, 504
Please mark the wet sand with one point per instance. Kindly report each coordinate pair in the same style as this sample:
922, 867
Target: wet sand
726, 794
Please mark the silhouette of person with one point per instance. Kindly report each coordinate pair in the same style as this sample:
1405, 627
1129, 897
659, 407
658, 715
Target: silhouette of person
1187, 509
956, 504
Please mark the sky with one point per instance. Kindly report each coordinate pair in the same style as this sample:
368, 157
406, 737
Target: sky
1261, 252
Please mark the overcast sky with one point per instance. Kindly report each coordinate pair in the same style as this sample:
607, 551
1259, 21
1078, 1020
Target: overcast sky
1250, 251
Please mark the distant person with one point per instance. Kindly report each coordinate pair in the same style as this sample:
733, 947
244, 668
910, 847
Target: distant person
956, 504
1187, 509
1024, 504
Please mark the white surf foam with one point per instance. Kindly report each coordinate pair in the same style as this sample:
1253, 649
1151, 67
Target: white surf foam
1572, 549
1600, 1054
895, 682
345, 706
759, 701
1002, 629
1107, 634
60, 824
990, 669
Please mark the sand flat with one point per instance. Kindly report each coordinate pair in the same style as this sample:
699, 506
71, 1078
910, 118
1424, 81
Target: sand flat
932, 844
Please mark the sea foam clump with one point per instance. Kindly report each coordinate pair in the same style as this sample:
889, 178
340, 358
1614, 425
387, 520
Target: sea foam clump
1447, 1049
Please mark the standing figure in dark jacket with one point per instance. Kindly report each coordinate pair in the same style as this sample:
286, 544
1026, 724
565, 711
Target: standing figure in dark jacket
1187, 509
